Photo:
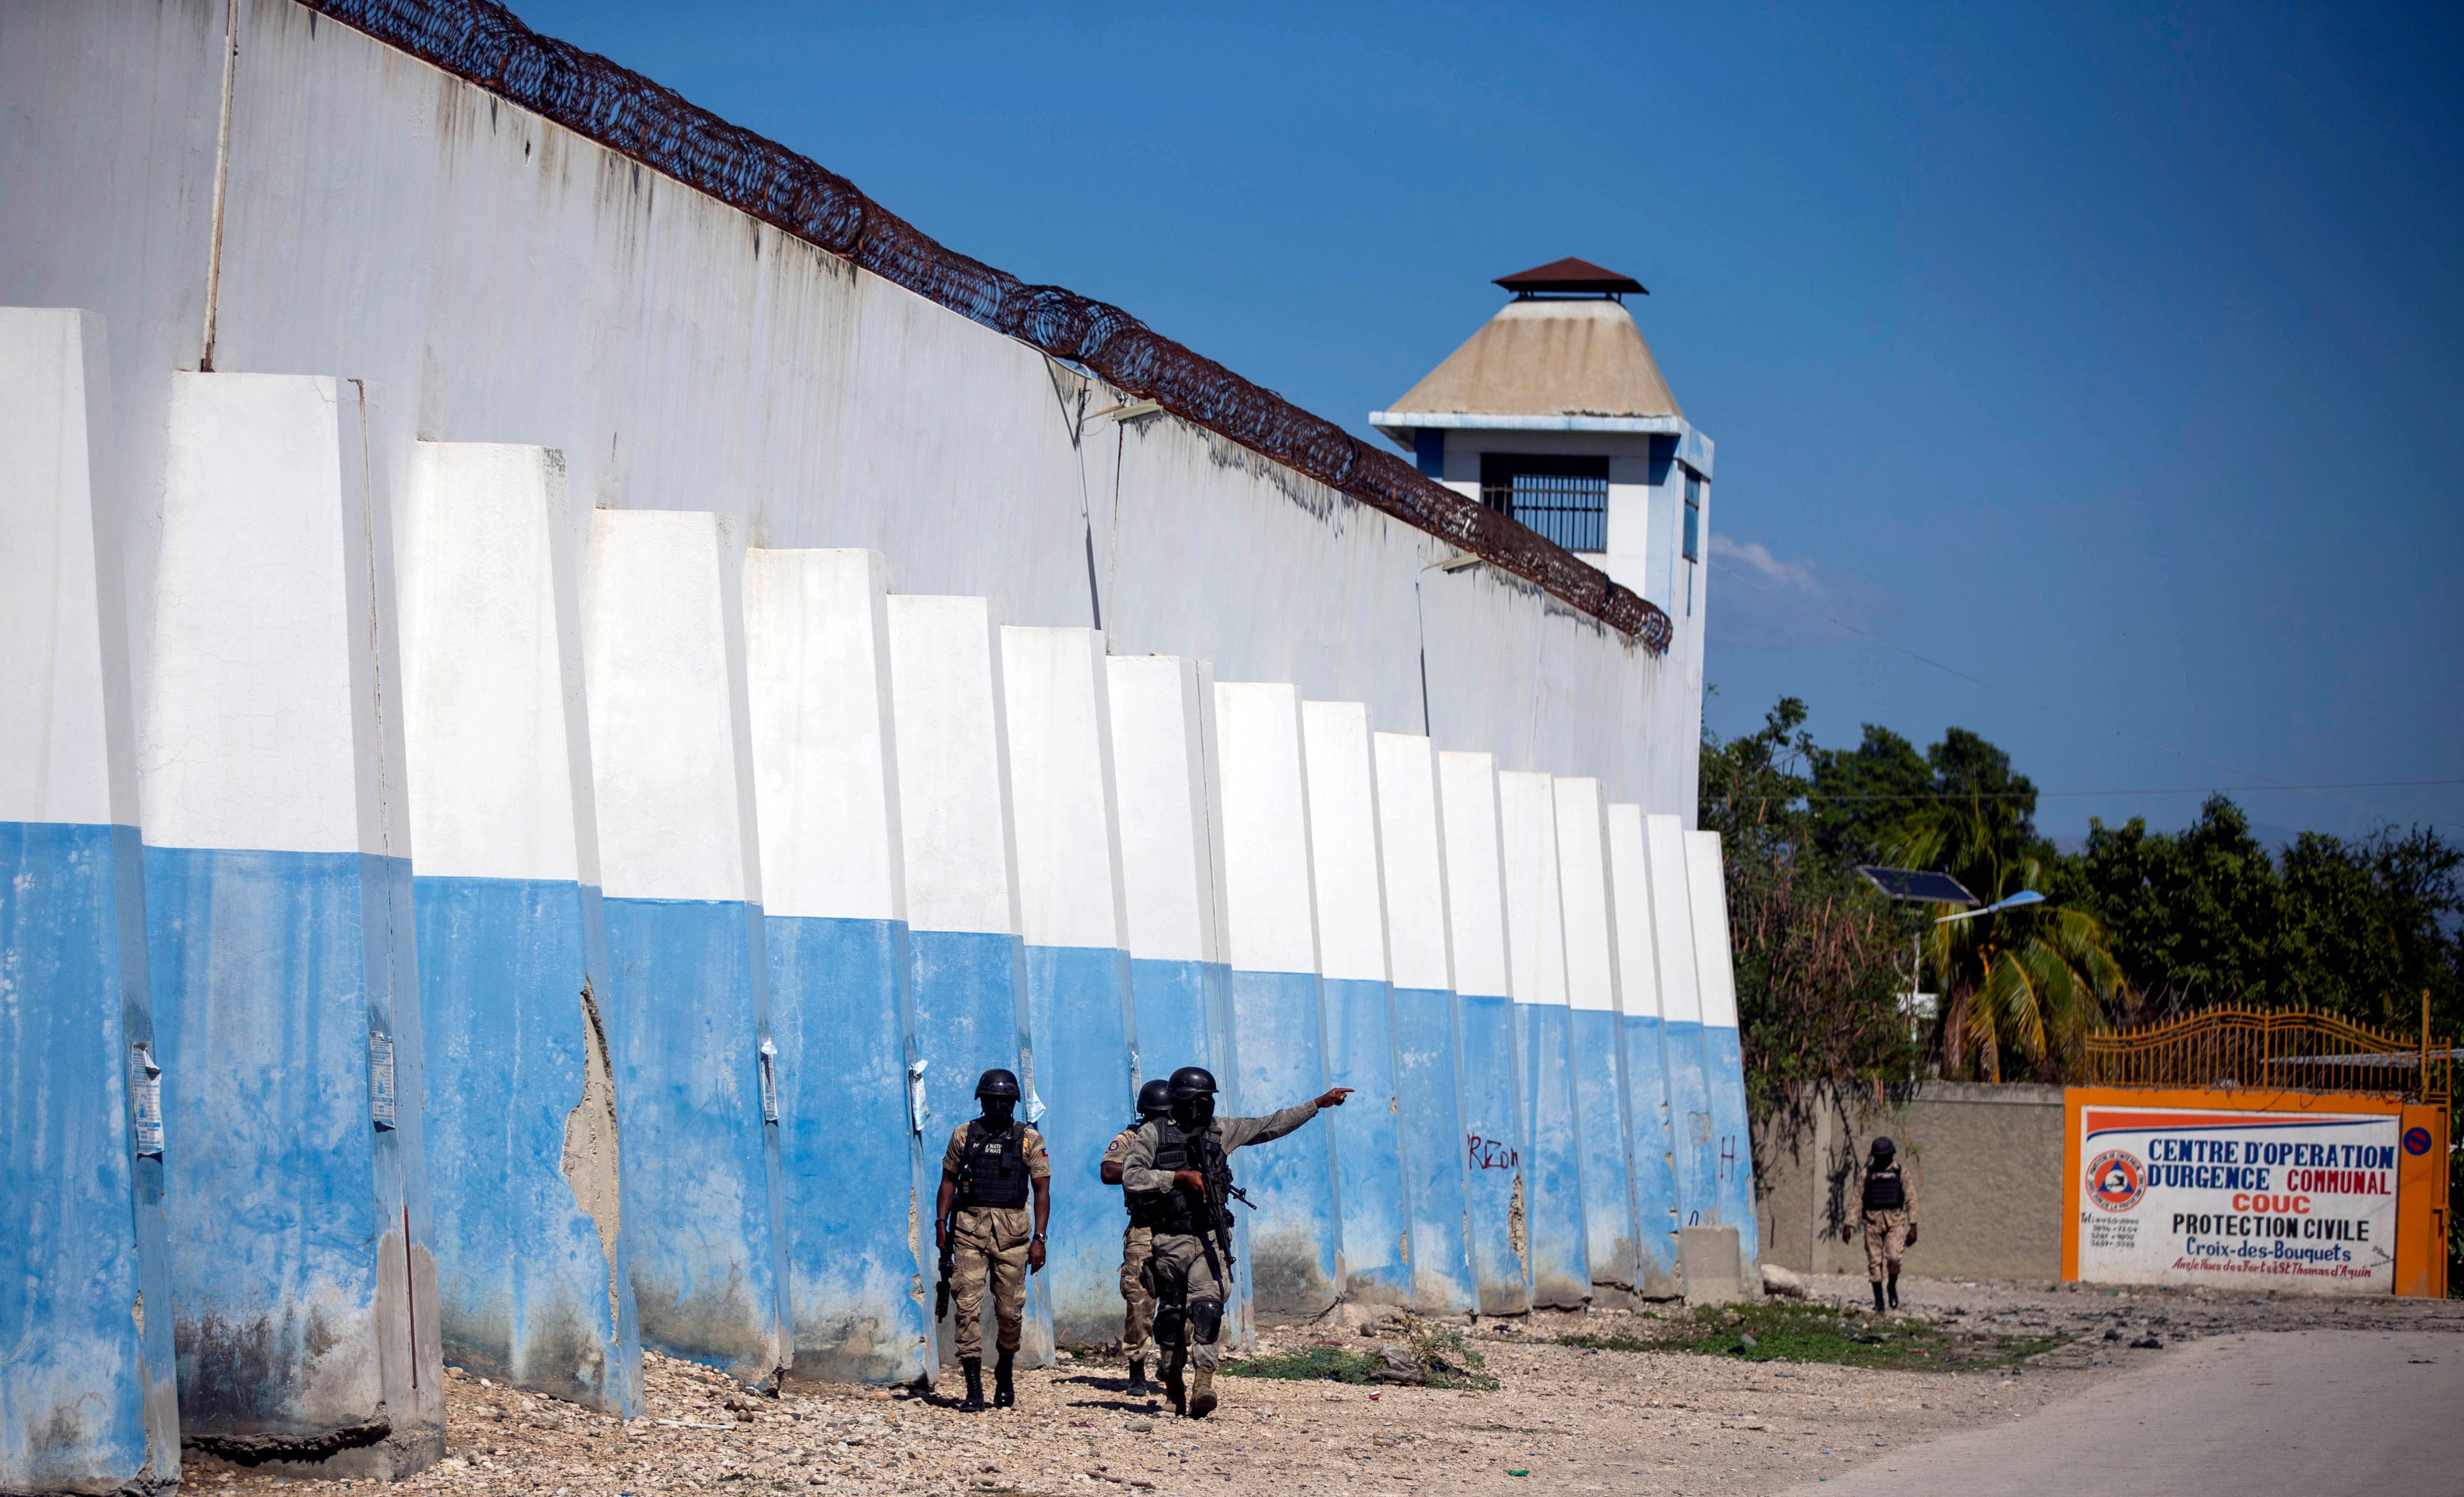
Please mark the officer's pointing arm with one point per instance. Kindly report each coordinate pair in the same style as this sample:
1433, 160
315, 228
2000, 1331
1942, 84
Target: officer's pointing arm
1242, 1132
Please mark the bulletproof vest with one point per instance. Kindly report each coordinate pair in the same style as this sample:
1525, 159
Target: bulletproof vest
993, 1172
1883, 1190
1141, 1204
1172, 1210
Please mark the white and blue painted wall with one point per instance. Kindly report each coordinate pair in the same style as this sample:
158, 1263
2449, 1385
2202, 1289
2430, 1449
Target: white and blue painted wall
686, 1001
1654, 1159
1493, 1115
962, 889
1723, 1056
1428, 1031
87, 1400
1599, 1085
1270, 938
1692, 1136
1554, 1221
1348, 874
1074, 916
278, 905
834, 926
533, 1280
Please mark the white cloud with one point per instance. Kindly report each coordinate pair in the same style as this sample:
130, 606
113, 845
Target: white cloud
1761, 601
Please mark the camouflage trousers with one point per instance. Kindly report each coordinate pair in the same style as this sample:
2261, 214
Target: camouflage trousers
1176, 1261
1137, 1303
1886, 1240
991, 1244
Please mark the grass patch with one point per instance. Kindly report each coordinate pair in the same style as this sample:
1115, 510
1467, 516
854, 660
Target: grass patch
1450, 1361
1794, 1333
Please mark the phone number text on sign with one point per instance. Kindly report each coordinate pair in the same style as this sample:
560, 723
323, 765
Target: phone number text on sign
2295, 1201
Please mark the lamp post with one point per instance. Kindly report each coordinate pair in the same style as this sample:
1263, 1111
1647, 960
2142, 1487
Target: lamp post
1916, 945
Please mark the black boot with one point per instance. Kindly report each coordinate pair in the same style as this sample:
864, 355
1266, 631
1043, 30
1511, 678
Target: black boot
1895, 1292
1138, 1385
1003, 1394
1172, 1385
973, 1367
1879, 1306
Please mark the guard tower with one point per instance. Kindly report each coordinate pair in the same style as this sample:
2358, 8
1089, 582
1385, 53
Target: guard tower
1556, 413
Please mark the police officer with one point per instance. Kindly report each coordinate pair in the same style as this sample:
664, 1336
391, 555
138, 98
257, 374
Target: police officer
1137, 1305
987, 1172
1180, 1165
1888, 1210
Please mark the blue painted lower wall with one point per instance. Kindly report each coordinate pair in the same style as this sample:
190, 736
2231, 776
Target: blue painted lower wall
87, 1399
1552, 1167
1184, 1017
1607, 1178
686, 1008
971, 1015
1429, 1116
533, 1289
1376, 1264
278, 1205
1655, 1164
857, 1264
1689, 1125
1079, 1004
1732, 1138
1295, 1237
1492, 1141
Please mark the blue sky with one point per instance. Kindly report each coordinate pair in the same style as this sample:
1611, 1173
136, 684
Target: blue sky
2112, 358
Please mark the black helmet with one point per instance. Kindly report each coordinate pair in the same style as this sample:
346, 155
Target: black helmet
1192, 1080
998, 1083
1884, 1148
1154, 1098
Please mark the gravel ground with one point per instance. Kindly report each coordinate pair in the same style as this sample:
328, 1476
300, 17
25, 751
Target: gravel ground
1567, 1419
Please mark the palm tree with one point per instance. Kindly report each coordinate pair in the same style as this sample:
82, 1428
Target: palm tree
2031, 983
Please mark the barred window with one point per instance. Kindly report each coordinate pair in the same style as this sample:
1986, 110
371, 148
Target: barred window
1565, 499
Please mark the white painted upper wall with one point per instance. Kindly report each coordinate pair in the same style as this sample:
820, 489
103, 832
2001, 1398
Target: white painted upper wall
817, 657
671, 735
1412, 841
1270, 915
264, 729
1707, 894
67, 745
1672, 919
1166, 803
953, 803
1060, 788
1476, 917
1343, 841
496, 280
1583, 879
495, 726
1630, 890
1534, 912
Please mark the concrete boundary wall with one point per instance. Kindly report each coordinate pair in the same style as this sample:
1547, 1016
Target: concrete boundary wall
835, 928
1592, 1002
1428, 1031
1723, 1056
533, 1276
278, 902
1074, 918
1654, 1159
1690, 1124
1552, 1173
687, 1005
1271, 940
1493, 1119
87, 1399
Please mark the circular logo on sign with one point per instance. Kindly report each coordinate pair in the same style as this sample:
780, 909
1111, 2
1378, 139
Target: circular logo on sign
2416, 1141
2115, 1180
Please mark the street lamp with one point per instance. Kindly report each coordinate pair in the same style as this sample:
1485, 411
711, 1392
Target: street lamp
1920, 886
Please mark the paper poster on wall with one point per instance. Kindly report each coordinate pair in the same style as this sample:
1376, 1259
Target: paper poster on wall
2298, 1201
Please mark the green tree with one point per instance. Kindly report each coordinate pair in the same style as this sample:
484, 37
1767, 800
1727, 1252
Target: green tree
2192, 914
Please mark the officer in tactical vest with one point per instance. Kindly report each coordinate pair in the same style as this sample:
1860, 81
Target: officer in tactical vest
987, 1172
1178, 1169
1137, 1305
1888, 1210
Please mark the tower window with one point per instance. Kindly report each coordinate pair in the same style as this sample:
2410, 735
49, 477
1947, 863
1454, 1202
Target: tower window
1693, 518
1565, 499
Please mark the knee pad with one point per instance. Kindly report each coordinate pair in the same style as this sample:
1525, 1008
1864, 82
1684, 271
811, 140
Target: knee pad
1204, 1318
1170, 1324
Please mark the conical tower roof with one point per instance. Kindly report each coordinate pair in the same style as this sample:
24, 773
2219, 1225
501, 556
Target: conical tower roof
1545, 358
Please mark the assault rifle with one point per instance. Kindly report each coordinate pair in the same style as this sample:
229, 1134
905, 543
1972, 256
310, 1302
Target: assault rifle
949, 1265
